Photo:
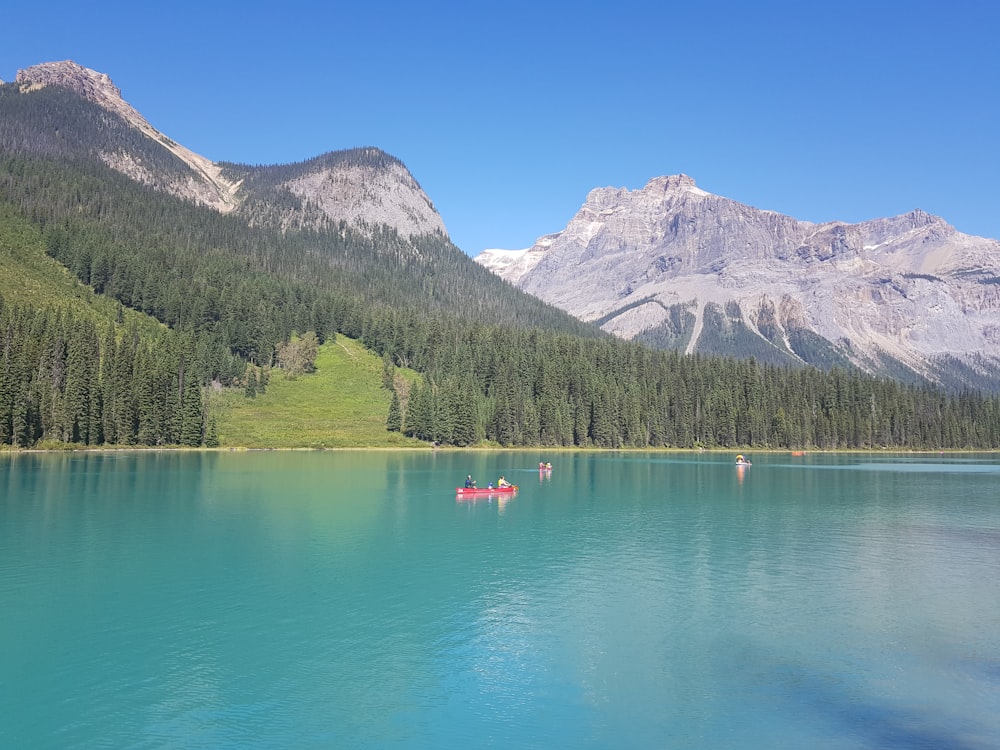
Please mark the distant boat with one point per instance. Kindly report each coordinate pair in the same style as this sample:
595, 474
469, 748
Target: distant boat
741, 461
543, 466
486, 490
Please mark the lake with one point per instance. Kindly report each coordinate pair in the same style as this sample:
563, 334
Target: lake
624, 600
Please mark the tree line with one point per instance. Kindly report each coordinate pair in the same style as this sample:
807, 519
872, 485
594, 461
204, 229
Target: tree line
65, 380
518, 388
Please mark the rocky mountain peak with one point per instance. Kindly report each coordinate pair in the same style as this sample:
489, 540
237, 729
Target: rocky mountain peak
207, 185
364, 187
91, 85
672, 263
671, 183
669, 188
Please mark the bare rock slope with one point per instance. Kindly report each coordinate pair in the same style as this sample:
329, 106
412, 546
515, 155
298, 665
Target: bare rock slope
675, 265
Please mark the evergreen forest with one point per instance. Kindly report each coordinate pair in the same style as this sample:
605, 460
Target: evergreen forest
170, 301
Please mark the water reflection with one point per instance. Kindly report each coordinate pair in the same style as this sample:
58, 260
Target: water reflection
501, 499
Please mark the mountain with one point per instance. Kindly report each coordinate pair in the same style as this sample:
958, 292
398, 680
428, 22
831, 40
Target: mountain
362, 188
146, 291
673, 265
138, 278
353, 222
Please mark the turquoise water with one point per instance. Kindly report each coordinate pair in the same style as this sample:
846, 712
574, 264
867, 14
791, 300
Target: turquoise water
348, 600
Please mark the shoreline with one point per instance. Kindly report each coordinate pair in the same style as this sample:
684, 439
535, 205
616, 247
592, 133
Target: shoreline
796, 452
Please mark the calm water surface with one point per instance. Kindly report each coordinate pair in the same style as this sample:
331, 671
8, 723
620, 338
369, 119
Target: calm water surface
348, 600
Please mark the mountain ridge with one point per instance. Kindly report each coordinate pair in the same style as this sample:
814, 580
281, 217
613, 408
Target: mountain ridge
904, 290
211, 189
229, 297
325, 191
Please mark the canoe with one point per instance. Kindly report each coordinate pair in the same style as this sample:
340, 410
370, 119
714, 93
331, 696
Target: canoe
486, 490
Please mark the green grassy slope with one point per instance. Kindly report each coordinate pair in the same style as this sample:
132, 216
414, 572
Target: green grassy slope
30, 277
341, 405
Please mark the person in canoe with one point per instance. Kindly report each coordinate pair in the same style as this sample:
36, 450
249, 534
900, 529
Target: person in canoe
470, 483
741, 461
501, 482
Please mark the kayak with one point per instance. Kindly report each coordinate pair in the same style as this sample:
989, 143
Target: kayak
486, 490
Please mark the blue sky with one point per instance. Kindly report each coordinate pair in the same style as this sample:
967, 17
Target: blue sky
508, 114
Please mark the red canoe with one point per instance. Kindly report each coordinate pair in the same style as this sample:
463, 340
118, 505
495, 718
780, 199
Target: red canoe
486, 490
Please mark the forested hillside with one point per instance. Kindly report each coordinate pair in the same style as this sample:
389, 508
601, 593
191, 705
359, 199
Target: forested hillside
76, 367
497, 365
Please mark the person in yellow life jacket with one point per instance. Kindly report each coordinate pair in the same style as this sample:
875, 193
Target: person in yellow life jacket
502, 482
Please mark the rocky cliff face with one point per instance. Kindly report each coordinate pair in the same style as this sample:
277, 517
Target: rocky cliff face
367, 191
673, 264
363, 187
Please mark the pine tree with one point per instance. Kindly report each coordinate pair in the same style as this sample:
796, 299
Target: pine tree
212, 434
80, 392
250, 389
109, 391
193, 415
463, 413
125, 414
394, 422
419, 414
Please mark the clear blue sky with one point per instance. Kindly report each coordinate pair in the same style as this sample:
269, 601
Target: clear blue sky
509, 113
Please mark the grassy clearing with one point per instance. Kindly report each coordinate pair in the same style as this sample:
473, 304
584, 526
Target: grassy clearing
341, 405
